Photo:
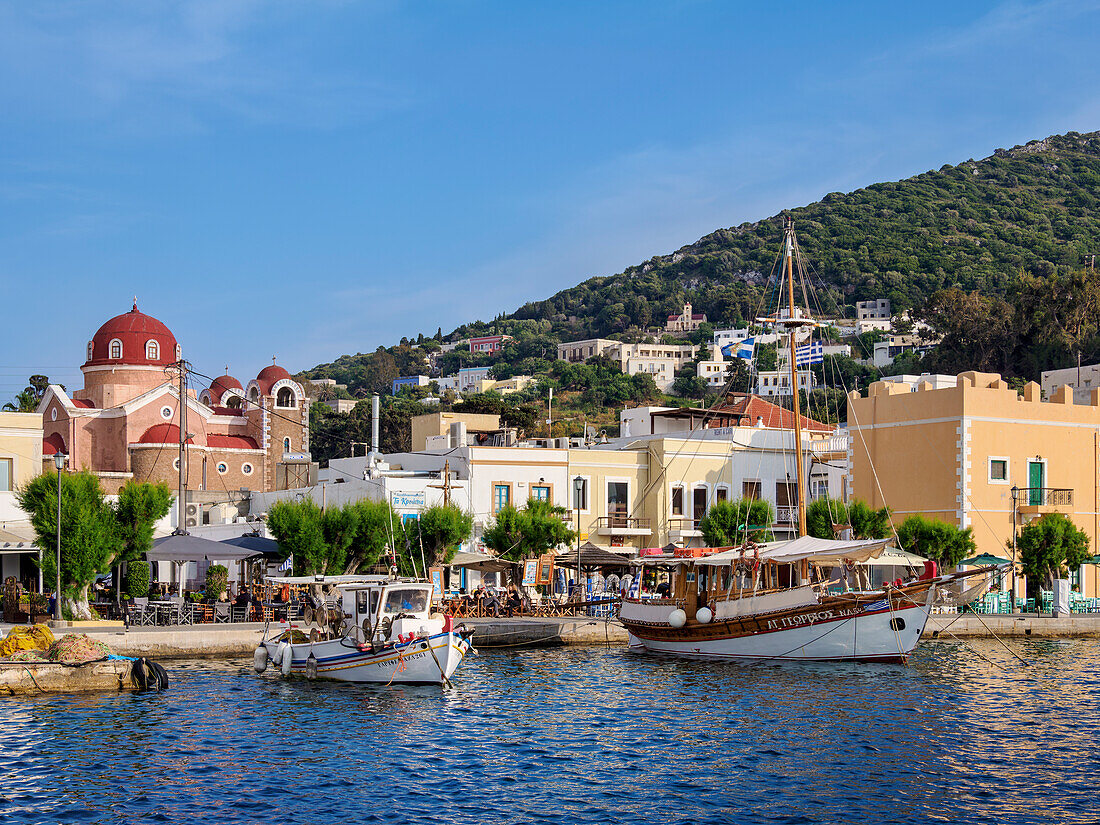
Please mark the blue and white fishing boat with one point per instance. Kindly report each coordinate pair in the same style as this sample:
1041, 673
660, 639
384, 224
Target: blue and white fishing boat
384, 631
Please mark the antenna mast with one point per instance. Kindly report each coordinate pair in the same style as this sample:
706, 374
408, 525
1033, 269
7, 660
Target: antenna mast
792, 324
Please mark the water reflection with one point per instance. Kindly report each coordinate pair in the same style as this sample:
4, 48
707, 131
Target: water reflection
585, 735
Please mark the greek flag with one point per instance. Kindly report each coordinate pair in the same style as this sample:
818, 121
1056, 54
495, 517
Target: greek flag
745, 349
811, 353
286, 565
881, 604
635, 586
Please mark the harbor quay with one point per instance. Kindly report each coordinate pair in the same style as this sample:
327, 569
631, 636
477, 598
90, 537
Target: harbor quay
241, 639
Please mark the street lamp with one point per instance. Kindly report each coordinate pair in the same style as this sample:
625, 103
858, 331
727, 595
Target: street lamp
1015, 521
59, 459
578, 489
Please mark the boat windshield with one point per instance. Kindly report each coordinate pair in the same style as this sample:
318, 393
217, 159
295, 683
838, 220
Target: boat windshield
406, 601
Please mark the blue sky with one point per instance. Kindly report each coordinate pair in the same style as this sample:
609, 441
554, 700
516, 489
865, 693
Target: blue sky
308, 179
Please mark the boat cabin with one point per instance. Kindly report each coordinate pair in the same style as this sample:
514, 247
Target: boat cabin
386, 610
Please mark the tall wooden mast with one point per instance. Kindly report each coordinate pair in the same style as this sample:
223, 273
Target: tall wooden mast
793, 323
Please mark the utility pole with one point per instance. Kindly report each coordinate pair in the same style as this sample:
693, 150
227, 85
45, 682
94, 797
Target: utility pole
446, 485
1015, 501
181, 528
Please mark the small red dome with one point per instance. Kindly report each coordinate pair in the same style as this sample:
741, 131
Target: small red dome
144, 341
222, 383
162, 434
269, 376
54, 443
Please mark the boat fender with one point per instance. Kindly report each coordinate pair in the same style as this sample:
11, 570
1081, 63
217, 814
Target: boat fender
259, 659
703, 615
311, 666
677, 618
287, 660
448, 623
159, 679
138, 672
277, 655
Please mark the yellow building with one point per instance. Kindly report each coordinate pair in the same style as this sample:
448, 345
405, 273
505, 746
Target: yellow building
956, 453
654, 490
20, 461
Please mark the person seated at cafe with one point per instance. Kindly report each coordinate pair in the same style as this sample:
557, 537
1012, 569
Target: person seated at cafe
243, 598
662, 590
491, 603
514, 602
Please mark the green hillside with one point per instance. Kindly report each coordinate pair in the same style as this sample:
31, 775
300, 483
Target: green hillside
974, 226
1018, 222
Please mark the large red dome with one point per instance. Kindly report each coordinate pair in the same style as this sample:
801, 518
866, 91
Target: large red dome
139, 340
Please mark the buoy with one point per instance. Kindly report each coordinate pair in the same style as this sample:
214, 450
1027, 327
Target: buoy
703, 615
288, 660
259, 659
677, 618
140, 675
311, 666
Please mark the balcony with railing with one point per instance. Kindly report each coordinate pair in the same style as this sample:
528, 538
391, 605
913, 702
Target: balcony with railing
681, 528
620, 524
1038, 501
786, 515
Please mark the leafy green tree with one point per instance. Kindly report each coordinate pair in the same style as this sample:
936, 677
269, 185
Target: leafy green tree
1048, 546
140, 506
217, 581
28, 399
137, 579
935, 539
297, 527
868, 523
536, 529
822, 514
725, 524
90, 538
377, 524
440, 530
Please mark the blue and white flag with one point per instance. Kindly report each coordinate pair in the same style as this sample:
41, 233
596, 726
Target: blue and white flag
635, 586
881, 604
286, 565
811, 353
745, 349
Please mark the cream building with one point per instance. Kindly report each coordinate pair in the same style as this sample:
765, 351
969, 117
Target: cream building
956, 453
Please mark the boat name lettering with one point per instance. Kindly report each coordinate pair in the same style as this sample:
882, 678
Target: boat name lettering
808, 618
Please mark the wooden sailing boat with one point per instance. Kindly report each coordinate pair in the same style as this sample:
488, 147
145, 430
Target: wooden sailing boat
774, 601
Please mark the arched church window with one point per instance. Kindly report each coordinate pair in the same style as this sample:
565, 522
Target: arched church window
152, 351
89, 350
285, 398
116, 348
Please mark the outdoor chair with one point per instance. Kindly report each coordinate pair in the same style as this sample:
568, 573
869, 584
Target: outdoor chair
221, 612
143, 615
238, 613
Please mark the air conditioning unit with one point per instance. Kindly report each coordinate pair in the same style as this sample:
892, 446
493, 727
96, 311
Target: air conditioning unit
192, 515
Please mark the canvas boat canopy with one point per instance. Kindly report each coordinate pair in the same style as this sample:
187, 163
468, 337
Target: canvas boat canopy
815, 550
342, 579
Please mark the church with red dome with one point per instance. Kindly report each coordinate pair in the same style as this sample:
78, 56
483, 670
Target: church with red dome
125, 422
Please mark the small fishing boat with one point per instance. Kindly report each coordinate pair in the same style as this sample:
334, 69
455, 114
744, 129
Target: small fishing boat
383, 631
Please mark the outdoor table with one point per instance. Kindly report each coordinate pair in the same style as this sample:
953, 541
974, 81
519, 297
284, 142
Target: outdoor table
166, 612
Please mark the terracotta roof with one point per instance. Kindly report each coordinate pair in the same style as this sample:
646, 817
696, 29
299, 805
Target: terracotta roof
753, 407
83, 403
234, 411
232, 442
162, 434
134, 329
744, 410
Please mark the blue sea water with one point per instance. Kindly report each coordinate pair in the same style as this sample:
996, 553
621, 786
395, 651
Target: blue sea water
579, 735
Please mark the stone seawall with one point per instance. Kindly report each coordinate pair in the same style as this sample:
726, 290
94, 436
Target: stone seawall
974, 625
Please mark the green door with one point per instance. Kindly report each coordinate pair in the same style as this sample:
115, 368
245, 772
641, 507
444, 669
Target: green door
1035, 482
